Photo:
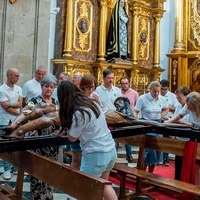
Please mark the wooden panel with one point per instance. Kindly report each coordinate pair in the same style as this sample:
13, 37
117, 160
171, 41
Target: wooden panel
66, 179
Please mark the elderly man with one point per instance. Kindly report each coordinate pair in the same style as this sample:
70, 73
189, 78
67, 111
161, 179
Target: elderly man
32, 88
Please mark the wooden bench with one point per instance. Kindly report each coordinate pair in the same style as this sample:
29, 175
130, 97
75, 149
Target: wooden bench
72, 182
160, 144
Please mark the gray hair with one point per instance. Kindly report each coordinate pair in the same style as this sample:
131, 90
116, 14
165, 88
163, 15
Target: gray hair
48, 79
153, 84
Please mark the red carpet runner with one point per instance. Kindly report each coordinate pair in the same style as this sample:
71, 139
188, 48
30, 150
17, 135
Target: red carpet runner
161, 194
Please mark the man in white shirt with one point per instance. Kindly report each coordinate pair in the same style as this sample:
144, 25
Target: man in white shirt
172, 103
10, 105
32, 88
107, 92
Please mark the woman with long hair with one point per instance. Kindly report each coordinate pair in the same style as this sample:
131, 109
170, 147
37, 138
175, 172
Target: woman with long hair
83, 119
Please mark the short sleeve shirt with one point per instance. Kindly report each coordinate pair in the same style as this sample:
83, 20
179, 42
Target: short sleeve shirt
31, 89
132, 95
12, 96
192, 116
172, 101
93, 133
149, 107
107, 97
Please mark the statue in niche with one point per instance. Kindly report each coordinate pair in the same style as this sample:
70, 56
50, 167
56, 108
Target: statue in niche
117, 38
83, 25
196, 84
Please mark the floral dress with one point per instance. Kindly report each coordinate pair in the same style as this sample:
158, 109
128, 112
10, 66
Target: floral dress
38, 189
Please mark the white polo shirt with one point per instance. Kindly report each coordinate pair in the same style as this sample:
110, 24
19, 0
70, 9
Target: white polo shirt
93, 133
192, 116
186, 118
11, 95
31, 89
149, 107
172, 101
107, 97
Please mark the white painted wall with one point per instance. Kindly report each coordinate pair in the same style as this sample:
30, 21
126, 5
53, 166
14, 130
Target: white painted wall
53, 12
166, 36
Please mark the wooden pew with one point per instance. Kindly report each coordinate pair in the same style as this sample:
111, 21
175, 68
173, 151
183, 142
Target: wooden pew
160, 144
72, 182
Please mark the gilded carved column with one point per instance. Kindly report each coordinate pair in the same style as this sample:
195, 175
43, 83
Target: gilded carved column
156, 56
178, 44
102, 30
135, 35
68, 30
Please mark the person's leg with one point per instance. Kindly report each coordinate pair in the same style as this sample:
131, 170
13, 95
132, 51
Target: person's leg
128, 153
109, 192
166, 159
7, 166
7, 170
40, 190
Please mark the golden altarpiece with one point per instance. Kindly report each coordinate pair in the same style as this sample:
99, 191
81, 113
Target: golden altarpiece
184, 59
85, 25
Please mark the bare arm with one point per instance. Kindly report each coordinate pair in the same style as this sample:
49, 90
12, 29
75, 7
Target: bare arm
135, 113
175, 118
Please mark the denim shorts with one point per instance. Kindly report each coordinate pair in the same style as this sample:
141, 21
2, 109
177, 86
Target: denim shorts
98, 162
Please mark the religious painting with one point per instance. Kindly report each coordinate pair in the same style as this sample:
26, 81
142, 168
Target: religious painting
83, 25
143, 37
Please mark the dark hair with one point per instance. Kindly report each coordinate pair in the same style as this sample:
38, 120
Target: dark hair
106, 72
88, 81
72, 99
164, 83
183, 90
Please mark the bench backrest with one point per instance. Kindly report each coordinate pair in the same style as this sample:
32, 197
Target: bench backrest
161, 144
70, 181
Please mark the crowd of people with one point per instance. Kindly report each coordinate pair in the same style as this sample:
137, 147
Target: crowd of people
82, 116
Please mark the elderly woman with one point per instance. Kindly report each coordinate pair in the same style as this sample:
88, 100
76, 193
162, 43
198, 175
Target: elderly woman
39, 189
152, 106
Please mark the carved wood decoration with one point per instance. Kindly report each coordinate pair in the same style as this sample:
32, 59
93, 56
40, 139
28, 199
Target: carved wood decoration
184, 62
85, 43
144, 32
83, 23
194, 36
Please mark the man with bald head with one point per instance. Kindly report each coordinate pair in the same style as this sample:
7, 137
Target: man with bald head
10, 104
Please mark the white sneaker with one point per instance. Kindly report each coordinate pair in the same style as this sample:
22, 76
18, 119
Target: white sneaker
7, 175
1, 170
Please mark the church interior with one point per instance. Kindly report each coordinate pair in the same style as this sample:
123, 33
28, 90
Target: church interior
161, 41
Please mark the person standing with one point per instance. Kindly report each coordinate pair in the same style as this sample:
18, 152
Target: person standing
191, 108
107, 92
172, 103
32, 88
39, 189
83, 119
181, 94
62, 77
132, 95
10, 105
152, 106
76, 78
75, 147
